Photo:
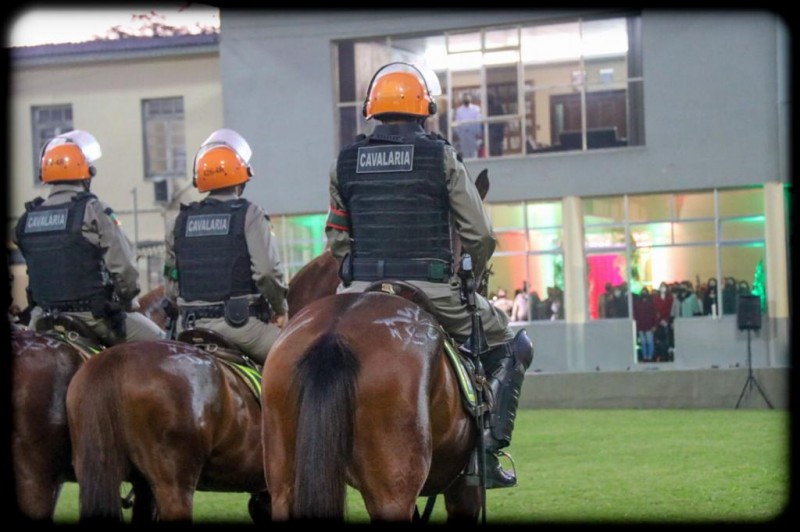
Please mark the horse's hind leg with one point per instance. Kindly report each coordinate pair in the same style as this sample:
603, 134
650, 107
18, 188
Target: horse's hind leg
144, 505
463, 503
391, 476
36, 499
173, 480
175, 504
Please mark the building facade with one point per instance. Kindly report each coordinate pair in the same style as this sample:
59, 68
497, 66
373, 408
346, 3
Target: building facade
624, 148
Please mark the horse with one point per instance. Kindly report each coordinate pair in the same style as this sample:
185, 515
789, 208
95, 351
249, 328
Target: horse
42, 367
171, 418
358, 390
315, 279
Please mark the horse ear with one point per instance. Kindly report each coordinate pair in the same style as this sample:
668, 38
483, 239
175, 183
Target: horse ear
482, 183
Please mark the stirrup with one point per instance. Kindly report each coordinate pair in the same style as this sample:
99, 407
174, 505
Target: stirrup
512, 475
471, 471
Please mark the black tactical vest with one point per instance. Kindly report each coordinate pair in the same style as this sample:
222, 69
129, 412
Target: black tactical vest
394, 189
211, 250
63, 266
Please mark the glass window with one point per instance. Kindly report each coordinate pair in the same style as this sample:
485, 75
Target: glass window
529, 259
603, 210
649, 207
741, 202
709, 241
48, 121
572, 85
300, 239
694, 205
164, 138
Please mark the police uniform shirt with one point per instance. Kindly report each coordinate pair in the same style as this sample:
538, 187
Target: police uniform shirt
265, 260
101, 228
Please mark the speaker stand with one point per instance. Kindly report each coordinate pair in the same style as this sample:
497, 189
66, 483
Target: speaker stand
751, 379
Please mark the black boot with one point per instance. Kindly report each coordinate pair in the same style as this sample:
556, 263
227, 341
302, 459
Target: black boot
504, 367
496, 476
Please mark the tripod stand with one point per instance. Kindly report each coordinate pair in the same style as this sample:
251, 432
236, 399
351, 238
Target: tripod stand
751, 379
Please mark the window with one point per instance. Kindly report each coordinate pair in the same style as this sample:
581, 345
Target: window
529, 255
539, 87
164, 138
300, 239
712, 242
48, 121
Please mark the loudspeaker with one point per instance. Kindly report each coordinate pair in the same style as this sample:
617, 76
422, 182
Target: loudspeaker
748, 313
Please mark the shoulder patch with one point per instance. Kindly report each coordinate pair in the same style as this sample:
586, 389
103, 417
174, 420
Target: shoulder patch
111, 214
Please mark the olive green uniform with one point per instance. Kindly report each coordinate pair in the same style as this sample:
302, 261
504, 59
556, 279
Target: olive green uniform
255, 337
101, 228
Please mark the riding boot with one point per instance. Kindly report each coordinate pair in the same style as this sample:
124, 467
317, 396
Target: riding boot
504, 367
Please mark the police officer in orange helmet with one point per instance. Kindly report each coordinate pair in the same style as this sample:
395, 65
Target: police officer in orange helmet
395, 197
79, 260
222, 267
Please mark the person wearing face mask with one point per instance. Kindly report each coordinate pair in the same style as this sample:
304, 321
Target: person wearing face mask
620, 301
662, 337
686, 304
644, 313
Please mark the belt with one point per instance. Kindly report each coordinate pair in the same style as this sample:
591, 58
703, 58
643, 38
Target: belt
436, 271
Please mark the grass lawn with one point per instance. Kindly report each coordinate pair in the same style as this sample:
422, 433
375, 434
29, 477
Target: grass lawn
619, 466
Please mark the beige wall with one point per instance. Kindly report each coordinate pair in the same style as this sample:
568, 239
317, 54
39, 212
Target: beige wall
106, 101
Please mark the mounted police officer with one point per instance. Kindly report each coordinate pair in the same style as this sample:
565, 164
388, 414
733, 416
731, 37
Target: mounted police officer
222, 264
395, 195
79, 260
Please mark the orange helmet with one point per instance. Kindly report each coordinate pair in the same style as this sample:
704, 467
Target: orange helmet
401, 88
222, 161
69, 157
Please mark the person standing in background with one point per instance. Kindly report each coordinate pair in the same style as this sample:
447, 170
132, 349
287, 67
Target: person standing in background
663, 338
644, 313
469, 134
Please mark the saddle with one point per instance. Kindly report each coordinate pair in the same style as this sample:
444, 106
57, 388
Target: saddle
71, 330
217, 345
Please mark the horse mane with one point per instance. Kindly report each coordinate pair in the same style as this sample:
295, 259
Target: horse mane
152, 300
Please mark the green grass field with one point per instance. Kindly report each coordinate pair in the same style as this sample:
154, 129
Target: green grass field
619, 466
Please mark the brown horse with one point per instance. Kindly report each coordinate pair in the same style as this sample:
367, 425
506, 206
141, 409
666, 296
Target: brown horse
318, 278
42, 367
171, 419
358, 390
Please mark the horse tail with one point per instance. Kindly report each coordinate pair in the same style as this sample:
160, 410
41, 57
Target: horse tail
326, 377
97, 433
